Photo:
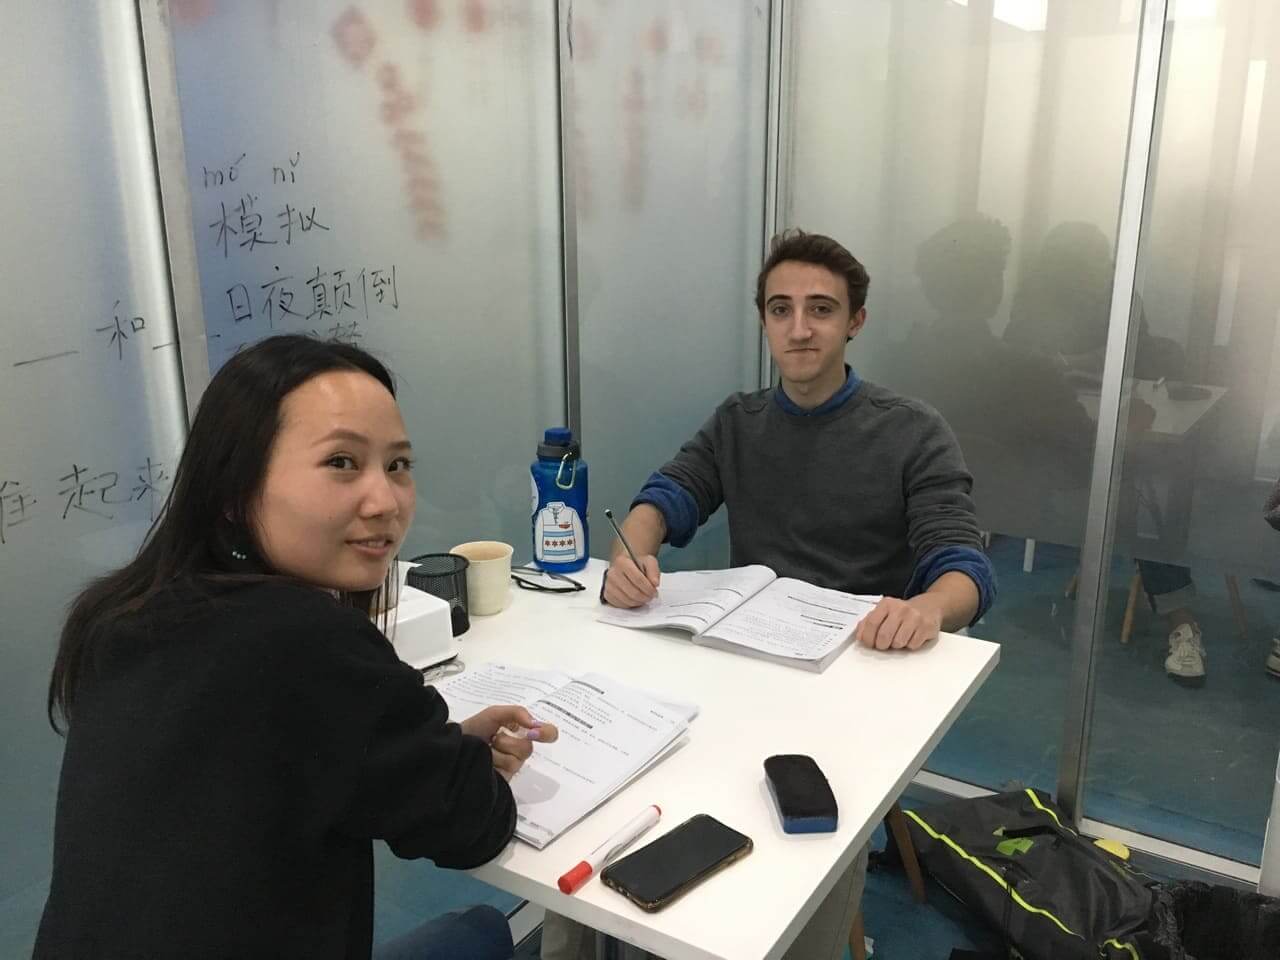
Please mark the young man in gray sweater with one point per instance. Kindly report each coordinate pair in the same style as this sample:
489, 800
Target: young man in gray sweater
827, 478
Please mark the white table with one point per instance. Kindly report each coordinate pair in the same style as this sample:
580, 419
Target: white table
1176, 430
870, 721
1174, 418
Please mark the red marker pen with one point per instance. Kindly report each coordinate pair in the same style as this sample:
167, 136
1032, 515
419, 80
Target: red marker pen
602, 854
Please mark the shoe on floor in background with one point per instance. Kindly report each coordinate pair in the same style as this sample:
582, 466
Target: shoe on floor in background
1185, 663
1273, 661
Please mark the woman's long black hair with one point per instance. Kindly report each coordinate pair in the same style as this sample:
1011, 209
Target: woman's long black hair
204, 533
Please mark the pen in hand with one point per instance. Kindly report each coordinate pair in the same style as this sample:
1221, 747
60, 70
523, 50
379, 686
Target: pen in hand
618, 530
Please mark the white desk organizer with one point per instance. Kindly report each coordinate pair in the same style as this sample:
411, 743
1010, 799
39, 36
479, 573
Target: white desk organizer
422, 629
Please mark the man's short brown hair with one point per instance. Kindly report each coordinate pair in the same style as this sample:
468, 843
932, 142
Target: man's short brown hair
822, 251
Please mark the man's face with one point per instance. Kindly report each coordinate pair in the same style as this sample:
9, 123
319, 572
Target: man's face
807, 321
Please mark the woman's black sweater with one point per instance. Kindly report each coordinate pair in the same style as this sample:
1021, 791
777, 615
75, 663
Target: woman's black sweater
228, 764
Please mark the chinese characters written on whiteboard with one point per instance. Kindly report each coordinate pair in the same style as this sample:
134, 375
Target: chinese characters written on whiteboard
114, 334
83, 490
247, 222
328, 303
254, 226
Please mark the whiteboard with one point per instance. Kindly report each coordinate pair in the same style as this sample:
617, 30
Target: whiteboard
669, 131
91, 410
387, 174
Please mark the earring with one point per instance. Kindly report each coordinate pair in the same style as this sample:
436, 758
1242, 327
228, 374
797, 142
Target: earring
238, 549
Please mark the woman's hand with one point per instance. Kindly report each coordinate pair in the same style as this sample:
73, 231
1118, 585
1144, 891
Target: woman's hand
511, 733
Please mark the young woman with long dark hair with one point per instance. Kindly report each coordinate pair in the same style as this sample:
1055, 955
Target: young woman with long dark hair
238, 729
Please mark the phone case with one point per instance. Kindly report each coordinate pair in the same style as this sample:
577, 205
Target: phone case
615, 876
802, 794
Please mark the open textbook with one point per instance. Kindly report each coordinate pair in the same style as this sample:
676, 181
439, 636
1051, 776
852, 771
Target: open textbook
752, 610
609, 734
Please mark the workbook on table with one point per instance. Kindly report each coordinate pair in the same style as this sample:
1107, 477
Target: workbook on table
610, 733
753, 611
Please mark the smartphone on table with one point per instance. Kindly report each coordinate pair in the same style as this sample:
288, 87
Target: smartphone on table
661, 872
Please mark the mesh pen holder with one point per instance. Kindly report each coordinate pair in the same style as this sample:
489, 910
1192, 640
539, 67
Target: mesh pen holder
444, 575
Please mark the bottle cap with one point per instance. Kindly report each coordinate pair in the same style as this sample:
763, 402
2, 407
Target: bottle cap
557, 437
556, 442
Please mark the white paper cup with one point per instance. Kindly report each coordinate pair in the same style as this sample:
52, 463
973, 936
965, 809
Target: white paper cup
488, 576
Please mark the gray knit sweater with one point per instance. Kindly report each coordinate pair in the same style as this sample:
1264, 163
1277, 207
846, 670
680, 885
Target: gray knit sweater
853, 499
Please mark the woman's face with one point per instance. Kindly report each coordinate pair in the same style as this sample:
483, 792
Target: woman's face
338, 496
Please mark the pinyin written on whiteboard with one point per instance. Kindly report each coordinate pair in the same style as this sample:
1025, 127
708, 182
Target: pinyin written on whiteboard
261, 222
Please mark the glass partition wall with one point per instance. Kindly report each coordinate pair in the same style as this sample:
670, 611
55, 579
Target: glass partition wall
947, 146
992, 161
668, 145
1186, 718
91, 412
387, 174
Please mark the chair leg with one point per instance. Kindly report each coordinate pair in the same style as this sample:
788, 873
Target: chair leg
1237, 608
896, 821
1126, 628
857, 939
1029, 556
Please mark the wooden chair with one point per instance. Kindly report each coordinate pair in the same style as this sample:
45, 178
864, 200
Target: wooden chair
895, 822
1135, 589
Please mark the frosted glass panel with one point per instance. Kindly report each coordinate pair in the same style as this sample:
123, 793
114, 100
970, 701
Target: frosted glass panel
1193, 681
970, 154
669, 146
90, 401
387, 174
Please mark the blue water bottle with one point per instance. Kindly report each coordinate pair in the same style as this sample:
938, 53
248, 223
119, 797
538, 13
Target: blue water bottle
560, 542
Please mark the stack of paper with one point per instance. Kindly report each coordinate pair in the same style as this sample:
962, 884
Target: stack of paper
609, 734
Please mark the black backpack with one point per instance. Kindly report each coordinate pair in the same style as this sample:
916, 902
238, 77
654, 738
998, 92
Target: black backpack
1052, 894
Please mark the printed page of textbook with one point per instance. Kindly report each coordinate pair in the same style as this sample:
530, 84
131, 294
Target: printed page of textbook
469, 692
609, 732
794, 620
693, 599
